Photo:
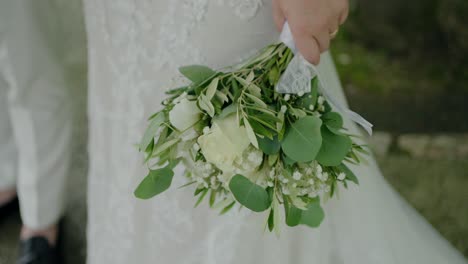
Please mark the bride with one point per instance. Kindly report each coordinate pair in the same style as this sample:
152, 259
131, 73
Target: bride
135, 48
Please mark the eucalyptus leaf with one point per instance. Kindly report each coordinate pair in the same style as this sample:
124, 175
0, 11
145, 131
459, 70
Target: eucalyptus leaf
334, 148
303, 139
314, 214
293, 215
152, 130
249, 194
197, 73
333, 119
269, 146
155, 183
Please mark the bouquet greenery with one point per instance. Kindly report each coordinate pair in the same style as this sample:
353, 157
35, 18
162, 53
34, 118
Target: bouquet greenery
243, 142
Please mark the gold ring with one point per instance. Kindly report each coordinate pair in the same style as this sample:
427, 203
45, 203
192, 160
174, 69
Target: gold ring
334, 33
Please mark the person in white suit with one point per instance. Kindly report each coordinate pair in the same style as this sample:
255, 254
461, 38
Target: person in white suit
35, 125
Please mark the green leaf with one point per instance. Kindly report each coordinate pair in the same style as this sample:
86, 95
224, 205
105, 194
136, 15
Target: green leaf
269, 146
152, 130
200, 199
333, 119
334, 148
256, 100
271, 220
250, 133
196, 73
205, 104
303, 139
314, 214
249, 194
166, 145
276, 215
227, 208
293, 214
273, 76
349, 173
314, 90
212, 88
155, 183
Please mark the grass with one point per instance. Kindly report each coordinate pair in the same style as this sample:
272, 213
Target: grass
437, 189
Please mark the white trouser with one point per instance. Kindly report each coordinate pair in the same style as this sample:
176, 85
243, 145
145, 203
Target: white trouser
35, 112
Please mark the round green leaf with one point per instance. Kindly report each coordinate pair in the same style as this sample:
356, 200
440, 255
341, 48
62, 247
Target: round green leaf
293, 215
303, 139
334, 148
249, 194
155, 183
314, 214
269, 146
333, 119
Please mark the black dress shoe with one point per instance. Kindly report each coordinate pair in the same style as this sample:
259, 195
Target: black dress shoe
37, 250
9, 208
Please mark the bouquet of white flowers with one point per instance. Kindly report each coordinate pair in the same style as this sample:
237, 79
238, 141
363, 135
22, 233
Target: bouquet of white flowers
243, 140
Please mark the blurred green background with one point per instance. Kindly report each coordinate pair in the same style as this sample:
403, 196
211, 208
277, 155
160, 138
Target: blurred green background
404, 64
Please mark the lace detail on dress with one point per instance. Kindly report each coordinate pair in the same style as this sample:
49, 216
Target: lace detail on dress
174, 45
244, 9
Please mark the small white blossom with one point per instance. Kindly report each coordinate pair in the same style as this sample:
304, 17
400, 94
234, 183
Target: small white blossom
272, 173
324, 176
285, 180
319, 168
283, 109
196, 147
311, 107
301, 93
286, 191
270, 184
297, 175
320, 100
287, 97
311, 181
341, 176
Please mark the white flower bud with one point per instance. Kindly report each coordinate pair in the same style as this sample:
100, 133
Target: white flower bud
287, 97
297, 175
341, 176
283, 109
301, 93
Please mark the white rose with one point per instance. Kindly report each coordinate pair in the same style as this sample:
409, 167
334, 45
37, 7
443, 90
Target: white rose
224, 143
184, 114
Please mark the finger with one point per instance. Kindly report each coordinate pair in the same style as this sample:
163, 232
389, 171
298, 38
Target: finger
323, 40
343, 16
278, 15
309, 48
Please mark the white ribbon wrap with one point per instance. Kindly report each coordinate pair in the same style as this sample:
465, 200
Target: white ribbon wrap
298, 76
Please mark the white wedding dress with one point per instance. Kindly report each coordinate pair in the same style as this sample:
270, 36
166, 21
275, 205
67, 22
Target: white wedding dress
135, 48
